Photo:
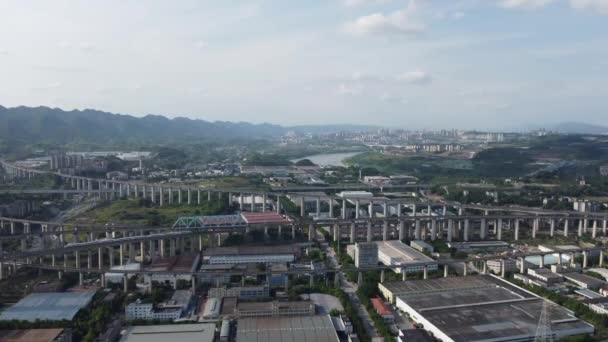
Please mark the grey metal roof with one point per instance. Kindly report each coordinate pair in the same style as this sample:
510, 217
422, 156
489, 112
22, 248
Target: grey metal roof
53, 306
287, 329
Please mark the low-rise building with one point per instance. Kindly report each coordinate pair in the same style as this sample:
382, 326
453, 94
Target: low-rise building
601, 308
200, 332
241, 292
250, 254
421, 246
383, 309
495, 266
365, 254
545, 275
403, 257
275, 308
170, 310
584, 281
212, 308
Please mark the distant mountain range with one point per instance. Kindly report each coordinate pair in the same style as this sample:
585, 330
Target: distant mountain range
33, 125
580, 127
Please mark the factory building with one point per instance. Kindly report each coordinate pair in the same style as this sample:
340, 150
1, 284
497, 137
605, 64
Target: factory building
365, 254
403, 257
250, 255
480, 308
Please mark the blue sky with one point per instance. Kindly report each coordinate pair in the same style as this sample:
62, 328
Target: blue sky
497, 64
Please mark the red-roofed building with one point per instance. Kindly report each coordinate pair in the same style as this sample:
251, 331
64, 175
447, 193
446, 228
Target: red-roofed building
383, 309
267, 217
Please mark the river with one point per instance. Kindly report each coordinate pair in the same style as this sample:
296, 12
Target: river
329, 159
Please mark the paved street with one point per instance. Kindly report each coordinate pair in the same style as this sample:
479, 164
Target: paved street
351, 289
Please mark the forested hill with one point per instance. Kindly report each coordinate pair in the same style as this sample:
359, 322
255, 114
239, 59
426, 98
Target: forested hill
43, 125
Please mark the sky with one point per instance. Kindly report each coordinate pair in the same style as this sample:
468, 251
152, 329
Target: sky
488, 64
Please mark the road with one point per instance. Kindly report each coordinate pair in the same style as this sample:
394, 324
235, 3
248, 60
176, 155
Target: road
351, 291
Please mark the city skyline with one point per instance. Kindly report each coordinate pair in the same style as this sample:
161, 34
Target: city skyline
419, 64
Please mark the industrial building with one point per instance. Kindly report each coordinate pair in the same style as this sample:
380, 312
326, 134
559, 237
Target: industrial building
365, 254
170, 310
469, 246
484, 307
36, 335
250, 254
241, 292
280, 329
495, 266
202, 332
275, 308
383, 309
421, 246
403, 257
212, 308
179, 265
584, 281
51, 306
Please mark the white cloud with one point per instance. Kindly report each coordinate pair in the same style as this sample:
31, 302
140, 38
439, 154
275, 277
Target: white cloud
398, 22
458, 15
524, 4
356, 3
201, 45
600, 6
349, 89
415, 77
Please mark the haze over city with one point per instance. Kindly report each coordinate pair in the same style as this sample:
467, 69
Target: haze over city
508, 64
305, 170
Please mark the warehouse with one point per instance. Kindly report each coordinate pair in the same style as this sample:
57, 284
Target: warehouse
51, 306
485, 307
403, 257
280, 329
174, 333
250, 254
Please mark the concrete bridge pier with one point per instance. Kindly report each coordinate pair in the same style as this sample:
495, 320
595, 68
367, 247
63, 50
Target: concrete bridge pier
179, 196
580, 228
594, 229
302, 206
161, 196
499, 229
152, 250
385, 231
417, 232
445, 271
425, 274
311, 229
401, 230
552, 228
189, 197
369, 232
252, 202
585, 259
433, 230
171, 247
198, 197
483, 229
353, 233
357, 208
566, 227
466, 230
516, 234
